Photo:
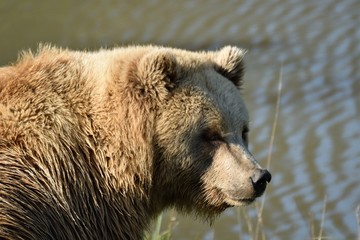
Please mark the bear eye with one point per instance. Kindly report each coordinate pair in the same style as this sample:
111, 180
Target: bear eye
244, 135
212, 136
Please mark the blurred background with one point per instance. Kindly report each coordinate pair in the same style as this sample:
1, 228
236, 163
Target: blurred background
312, 46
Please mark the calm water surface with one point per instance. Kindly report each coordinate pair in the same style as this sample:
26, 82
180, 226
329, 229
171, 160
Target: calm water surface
316, 154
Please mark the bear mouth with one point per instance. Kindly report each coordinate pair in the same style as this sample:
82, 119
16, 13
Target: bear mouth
235, 202
235, 198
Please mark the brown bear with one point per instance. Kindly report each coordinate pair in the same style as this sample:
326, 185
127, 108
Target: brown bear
94, 145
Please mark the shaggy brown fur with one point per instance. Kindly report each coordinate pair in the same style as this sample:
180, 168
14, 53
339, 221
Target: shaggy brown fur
95, 145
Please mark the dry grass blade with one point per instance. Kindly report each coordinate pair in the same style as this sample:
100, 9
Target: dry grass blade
271, 144
247, 221
357, 213
322, 219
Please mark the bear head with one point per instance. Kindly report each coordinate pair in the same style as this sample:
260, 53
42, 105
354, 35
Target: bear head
201, 158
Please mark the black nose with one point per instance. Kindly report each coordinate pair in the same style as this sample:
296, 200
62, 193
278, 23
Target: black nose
260, 179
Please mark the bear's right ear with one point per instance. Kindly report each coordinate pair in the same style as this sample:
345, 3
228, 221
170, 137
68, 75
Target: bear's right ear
156, 72
229, 63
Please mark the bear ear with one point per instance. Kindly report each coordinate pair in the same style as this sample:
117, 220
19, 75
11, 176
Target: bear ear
229, 63
156, 71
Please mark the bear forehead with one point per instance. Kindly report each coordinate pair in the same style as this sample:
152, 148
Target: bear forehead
209, 97
227, 99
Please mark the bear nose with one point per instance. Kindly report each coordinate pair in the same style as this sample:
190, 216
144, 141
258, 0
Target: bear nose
260, 179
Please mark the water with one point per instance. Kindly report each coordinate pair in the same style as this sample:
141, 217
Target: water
316, 154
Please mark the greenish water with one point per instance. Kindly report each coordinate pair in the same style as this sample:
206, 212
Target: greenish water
317, 145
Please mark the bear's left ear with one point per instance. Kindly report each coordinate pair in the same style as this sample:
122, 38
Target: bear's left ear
229, 63
156, 71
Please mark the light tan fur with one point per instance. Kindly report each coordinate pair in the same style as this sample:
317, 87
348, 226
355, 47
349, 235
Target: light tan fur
93, 145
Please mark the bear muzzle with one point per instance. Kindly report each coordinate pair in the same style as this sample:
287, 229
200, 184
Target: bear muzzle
247, 193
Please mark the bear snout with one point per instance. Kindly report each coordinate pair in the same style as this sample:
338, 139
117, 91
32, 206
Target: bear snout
259, 180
